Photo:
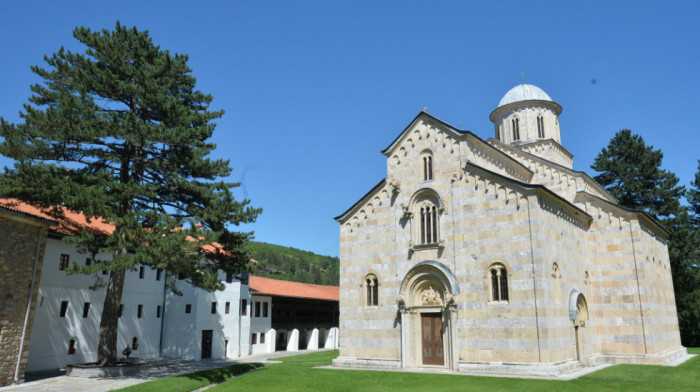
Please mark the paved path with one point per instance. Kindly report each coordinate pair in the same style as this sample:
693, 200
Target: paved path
150, 371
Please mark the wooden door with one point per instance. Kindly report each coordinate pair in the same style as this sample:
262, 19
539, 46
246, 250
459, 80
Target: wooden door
431, 330
207, 335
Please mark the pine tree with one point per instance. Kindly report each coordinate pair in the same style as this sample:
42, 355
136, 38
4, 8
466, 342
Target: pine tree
120, 132
631, 172
693, 197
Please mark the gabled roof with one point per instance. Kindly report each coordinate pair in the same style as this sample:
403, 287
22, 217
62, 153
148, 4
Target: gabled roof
281, 288
344, 215
387, 151
461, 134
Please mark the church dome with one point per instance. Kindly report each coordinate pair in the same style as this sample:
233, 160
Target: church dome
524, 92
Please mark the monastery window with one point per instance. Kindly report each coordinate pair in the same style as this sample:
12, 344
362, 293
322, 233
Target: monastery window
159, 271
158, 311
229, 277
188, 308
139, 311
121, 309
64, 308
244, 307
499, 283
63, 263
424, 213
213, 308
556, 274
540, 127
86, 309
262, 337
427, 162
257, 309
264, 311
88, 262
371, 290
135, 343
428, 223
498, 132
105, 272
142, 272
71, 347
255, 338
227, 308
516, 129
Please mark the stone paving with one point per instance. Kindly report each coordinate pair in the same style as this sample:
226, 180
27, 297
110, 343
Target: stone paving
150, 371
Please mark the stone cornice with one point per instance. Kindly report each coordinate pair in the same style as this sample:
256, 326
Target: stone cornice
646, 221
548, 199
530, 160
546, 142
350, 211
428, 120
499, 159
523, 104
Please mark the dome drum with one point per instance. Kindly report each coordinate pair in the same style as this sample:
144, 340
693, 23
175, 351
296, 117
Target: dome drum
526, 114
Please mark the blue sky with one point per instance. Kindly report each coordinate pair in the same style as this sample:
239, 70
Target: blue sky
314, 90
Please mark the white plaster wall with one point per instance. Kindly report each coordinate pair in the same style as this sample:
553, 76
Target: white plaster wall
51, 333
260, 324
182, 333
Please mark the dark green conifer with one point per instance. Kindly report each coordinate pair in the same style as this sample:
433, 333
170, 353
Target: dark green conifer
631, 172
693, 197
121, 132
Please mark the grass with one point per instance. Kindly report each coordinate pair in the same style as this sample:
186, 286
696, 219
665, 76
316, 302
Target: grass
191, 381
297, 374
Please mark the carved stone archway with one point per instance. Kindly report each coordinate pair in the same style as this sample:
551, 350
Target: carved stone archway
428, 289
578, 314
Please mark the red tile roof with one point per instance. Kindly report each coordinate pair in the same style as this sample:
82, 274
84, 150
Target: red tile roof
281, 288
72, 223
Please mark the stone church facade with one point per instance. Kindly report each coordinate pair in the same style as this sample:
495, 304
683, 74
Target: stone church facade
496, 256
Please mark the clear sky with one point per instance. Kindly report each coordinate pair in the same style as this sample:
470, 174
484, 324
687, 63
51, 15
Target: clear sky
313, 90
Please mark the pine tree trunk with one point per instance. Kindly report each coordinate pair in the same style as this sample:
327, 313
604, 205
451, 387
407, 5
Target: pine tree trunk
107, 343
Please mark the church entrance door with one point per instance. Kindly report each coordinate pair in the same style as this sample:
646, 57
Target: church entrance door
431, 328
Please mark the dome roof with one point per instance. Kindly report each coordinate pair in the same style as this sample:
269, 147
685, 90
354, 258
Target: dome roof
524, 92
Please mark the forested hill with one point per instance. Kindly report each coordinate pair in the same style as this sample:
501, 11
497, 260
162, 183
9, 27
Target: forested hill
284, 263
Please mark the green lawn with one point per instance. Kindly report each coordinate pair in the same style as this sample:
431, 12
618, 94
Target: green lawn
297, 374
192, 381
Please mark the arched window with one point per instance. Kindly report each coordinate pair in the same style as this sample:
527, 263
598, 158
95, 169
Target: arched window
498, 132
540, 127
427, 161
428, 223
516, 129
372, 290
499, 283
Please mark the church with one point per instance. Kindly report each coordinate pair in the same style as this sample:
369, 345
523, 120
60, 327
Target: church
496, 256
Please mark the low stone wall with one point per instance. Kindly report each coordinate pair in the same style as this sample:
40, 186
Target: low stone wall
123, 369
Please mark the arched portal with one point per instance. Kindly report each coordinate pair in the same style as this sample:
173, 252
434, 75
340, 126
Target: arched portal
429, 316
578, 314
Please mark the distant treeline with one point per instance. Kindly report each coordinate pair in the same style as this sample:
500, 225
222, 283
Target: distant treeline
284, 263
